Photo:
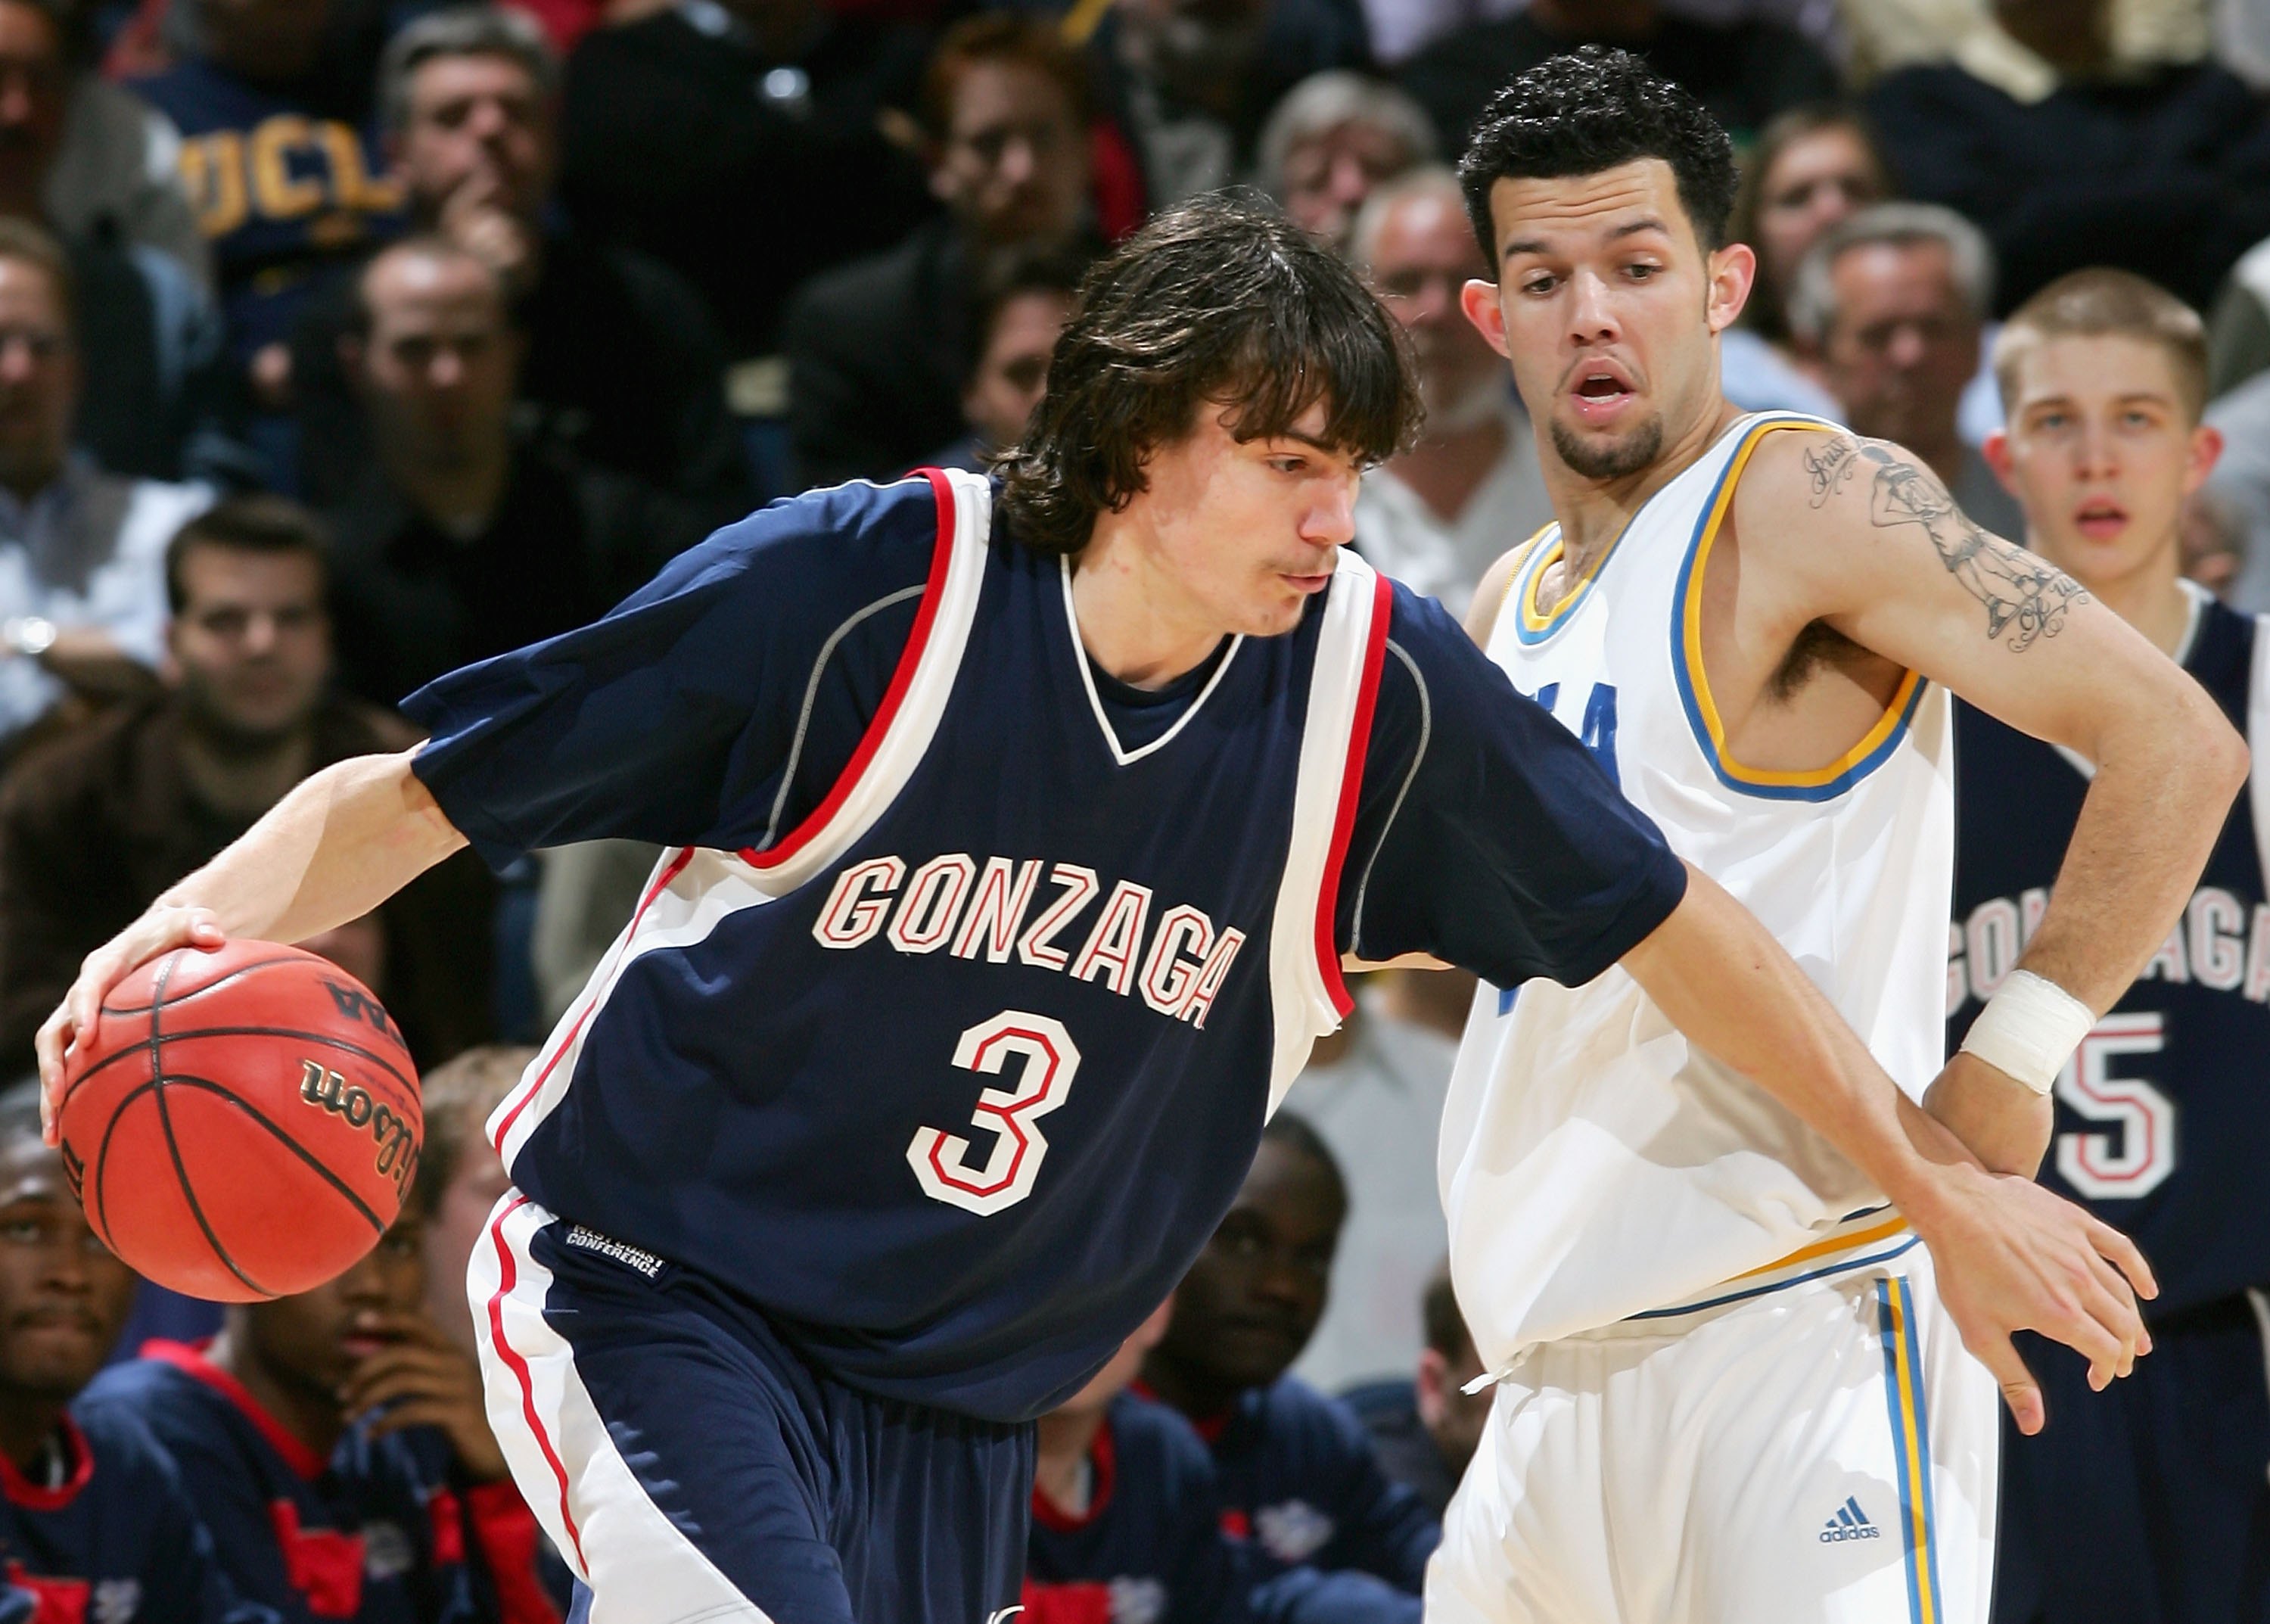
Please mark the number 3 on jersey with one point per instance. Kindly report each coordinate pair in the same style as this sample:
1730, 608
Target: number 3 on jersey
1046, 1059
2145, 1118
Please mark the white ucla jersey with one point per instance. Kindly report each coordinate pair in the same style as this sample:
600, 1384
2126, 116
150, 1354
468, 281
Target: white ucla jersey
1594, 1165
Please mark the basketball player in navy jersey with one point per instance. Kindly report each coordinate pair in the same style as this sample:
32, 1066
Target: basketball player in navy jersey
1015, 835
2147, 1504
95, 1526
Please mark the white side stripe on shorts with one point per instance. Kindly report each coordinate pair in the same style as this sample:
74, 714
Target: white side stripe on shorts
641, 1570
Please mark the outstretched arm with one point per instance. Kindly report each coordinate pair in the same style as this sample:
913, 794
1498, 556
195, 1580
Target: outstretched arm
1887, 560
337, 846
2011, 1256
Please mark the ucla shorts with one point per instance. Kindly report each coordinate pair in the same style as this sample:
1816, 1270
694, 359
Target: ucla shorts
689, 1464
1822, 1453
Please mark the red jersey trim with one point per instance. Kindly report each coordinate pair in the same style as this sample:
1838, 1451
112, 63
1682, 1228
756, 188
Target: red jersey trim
508, 1271
1328, 894
192, 1362
21, 1491
505, 1531
531, 1089
1104, 1457
902, 679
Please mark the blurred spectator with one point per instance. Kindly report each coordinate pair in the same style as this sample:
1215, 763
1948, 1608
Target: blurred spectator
1297, 1469
2241, 483
279, 160
2211, 539
1812, 167
740, 143
1018, 317
1891, 303
1744, 72
336, 1444
1425, 1430
1126, 1523
153, 377
584, 896
1438, 516
2164, 170
2131, 34
1334, 137
90, 1506
623, 366
1191, 81
96, 824
468, 1175
880, 350
462, 539
82, 595
116, 170
1378, 1104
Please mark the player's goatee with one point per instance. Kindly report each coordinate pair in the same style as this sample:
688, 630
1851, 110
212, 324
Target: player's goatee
1617, 459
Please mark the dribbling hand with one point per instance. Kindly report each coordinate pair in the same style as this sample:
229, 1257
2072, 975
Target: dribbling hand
159, 931
2012, 1257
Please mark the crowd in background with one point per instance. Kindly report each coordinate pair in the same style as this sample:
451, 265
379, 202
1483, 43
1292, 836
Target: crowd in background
343, 343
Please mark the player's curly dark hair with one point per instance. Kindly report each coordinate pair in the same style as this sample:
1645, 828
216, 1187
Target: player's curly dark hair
1223, 301
1592, 109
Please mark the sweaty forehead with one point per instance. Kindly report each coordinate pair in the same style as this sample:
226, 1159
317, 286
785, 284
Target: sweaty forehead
1570, 211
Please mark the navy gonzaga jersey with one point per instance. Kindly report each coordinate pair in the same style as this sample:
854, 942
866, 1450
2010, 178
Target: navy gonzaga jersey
2164, 1113
947, 1043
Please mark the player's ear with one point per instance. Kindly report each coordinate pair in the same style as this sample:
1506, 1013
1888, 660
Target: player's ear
2206, 452
1996, 450
1478, 300
1733, 271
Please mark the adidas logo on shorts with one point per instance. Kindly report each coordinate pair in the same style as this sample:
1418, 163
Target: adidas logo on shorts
1849, 1522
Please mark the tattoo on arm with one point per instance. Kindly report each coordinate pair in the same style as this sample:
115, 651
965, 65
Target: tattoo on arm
2025, 598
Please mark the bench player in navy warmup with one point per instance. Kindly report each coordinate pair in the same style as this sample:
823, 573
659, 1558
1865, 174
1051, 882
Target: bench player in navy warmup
1299, 1481
2146, 1504
96, 1526
1017, 833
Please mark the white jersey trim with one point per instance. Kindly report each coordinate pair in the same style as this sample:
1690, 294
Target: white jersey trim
2258, 740
1095, 701
1305, 988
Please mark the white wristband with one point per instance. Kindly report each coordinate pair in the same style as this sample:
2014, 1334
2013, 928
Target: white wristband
2029, 1029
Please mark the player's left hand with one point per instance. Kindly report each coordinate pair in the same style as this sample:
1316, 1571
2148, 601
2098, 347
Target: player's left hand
420, 1378
2012, 1257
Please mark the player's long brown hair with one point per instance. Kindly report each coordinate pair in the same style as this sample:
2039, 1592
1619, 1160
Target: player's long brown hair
1220, 301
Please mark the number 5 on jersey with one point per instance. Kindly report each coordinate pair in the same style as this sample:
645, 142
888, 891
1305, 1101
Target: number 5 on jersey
1047, 1059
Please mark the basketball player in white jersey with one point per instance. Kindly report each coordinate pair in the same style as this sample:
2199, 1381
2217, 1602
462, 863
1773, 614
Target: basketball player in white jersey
1728, 1388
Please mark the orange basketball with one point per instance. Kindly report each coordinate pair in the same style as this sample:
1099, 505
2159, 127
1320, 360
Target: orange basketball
242, 1123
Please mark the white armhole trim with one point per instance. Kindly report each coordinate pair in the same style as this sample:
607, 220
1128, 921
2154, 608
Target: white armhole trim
2258, 740
1301, 1001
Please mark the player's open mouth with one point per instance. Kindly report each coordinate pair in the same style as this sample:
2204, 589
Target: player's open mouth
1600, 392
2099, 520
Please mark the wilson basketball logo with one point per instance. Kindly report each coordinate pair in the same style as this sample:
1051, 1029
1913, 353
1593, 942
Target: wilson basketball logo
395, 1135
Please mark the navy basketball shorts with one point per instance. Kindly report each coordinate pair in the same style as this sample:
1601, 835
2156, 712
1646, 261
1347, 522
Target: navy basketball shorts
689, 1465
2149, 1502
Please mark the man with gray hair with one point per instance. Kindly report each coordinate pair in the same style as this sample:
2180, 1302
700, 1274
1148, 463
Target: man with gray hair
624, 366
1437, 515
1334, 139
1891, 304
